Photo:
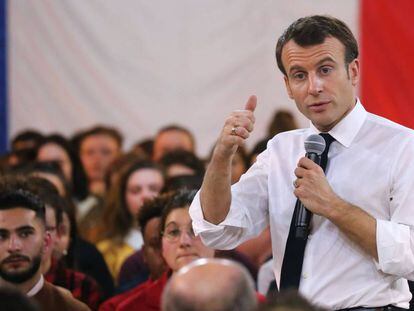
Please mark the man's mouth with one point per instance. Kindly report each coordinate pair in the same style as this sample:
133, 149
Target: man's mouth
319, 106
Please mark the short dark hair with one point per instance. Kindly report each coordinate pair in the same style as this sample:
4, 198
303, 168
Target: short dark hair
312, 30
101, 130
180, 199
183, 157
179, 128
152, 209
15, 193
27, 135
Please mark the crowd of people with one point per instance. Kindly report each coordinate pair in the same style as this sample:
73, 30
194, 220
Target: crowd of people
117, 221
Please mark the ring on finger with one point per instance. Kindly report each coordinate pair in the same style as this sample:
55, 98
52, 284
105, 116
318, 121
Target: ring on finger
233, 130
295, 183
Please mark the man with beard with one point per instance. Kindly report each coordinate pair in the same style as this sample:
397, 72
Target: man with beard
23, 240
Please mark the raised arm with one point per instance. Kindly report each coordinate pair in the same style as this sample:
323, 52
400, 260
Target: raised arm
215, 194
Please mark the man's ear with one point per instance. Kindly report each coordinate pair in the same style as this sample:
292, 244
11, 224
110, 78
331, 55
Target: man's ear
287, 85
353, 69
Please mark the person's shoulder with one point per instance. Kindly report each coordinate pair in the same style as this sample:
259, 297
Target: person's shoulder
52, 297
384, 124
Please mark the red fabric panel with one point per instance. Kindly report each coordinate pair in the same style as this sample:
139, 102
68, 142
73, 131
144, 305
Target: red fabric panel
387, 58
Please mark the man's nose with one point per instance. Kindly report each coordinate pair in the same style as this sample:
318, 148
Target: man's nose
315, 84
14, 244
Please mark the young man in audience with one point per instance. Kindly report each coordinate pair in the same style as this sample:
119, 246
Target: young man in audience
195, 288
98, 147
23, 241
82, 286
170, 138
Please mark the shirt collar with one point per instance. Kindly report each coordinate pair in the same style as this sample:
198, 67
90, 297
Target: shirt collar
37, 287
346, 130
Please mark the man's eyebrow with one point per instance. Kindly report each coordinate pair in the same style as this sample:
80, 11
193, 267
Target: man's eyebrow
25, 228
295, 68
324, 60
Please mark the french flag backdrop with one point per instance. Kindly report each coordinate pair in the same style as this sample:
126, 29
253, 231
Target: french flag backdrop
139, 65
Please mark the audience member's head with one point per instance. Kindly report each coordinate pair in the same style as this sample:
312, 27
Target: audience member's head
210, 285
53, 173
98, 148
56, 148
149, 221
180, 246
170, 138
289, 300
141, 181
23, 147
282, 121
24, 238
145, 146
180, 163
183, 182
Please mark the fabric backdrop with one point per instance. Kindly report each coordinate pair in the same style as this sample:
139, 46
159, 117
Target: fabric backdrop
139, 65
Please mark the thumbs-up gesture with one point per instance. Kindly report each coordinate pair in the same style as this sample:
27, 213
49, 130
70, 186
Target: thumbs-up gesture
236, 129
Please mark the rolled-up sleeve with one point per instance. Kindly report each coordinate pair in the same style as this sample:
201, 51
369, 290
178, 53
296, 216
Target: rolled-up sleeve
395, 237
248, 214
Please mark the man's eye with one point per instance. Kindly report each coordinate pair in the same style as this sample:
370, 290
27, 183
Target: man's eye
299, 76
24, 234
326, 70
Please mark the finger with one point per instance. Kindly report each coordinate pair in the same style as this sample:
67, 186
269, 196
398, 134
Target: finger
251, 103
243, 122
307, 163
240, 131
300, 172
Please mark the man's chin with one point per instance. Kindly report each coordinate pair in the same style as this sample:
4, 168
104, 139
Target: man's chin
20, 275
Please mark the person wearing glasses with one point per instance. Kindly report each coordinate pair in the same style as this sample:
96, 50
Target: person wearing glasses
179, 247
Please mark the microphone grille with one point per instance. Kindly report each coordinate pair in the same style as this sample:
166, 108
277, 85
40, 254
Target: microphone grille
315, 144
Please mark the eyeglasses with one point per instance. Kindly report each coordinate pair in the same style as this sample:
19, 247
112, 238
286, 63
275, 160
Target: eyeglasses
172, 233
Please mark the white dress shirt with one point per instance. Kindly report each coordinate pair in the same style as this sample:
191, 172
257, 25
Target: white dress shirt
369, 166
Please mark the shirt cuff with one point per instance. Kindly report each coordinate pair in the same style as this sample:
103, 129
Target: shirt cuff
395, 256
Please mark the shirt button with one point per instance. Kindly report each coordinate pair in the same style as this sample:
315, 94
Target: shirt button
305, 275
309, 236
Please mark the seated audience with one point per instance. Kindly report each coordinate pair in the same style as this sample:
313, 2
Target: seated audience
195, 287
142, 181
24, 240
98, 147
170, 138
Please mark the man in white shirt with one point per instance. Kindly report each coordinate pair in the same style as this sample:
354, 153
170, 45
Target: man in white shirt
359, 250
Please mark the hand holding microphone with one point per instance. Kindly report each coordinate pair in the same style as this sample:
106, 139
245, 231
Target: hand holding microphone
314, 146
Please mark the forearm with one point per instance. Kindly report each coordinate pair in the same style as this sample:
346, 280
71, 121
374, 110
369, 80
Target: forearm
356, 224
215, 193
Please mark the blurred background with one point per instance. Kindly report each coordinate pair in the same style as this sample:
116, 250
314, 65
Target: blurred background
139, 65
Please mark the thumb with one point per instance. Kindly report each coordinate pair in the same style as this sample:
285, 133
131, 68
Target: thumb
251, 103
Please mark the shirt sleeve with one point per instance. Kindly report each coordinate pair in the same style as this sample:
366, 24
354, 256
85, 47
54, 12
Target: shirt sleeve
248, 214
395, 237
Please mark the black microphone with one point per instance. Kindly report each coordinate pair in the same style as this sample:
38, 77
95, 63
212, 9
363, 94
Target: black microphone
314, 146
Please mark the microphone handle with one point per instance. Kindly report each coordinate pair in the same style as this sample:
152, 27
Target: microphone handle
303, 215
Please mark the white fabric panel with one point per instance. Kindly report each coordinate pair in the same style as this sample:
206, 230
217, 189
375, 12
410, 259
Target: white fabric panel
140, 65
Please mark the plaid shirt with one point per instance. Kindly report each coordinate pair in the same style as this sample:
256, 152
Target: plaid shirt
82, 287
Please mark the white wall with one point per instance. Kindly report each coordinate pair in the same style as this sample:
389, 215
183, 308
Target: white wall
140, 64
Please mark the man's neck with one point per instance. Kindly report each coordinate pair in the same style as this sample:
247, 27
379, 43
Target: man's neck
24, 287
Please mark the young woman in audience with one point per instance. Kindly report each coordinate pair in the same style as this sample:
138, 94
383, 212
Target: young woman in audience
141, 181
179, 247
